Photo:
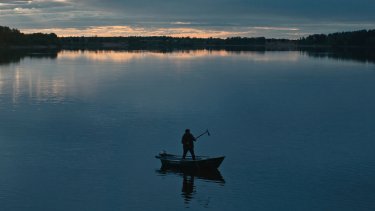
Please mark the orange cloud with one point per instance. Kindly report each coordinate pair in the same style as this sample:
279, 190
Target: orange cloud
109, 31
177, 30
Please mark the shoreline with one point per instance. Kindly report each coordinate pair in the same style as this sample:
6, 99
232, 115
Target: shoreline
266, 47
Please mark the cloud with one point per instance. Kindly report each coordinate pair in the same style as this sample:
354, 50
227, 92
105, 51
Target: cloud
180, 23
30, 11
34, 4
229, 9
136, 31
275, 28
33, 7
270, 18
178, 31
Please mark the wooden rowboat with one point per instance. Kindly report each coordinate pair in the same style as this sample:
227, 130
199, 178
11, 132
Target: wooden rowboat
200, 162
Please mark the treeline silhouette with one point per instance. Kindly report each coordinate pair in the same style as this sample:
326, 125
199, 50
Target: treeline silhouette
154, 42
14, 38
361, 38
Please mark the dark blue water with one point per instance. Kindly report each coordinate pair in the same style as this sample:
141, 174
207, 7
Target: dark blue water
80, 131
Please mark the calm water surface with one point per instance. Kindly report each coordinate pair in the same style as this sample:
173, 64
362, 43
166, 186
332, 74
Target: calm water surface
79, 131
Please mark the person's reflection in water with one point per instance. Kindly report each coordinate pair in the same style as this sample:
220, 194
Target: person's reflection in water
188, 188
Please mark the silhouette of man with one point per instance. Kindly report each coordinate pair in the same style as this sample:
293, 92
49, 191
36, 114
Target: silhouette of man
188, 143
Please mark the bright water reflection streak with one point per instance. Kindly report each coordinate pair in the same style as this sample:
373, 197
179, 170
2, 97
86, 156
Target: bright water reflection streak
47, 85
127, 56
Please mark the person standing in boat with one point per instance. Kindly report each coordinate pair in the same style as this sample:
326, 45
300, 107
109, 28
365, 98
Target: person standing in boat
188, 143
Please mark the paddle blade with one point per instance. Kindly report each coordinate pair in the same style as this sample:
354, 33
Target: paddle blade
208, 133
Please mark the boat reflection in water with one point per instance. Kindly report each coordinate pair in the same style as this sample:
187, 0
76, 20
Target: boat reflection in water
189, 177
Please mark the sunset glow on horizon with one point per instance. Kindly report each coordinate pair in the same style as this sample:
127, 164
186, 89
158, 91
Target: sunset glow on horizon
125, 31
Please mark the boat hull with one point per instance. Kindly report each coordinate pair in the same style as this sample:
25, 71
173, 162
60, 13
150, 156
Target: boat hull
201, 162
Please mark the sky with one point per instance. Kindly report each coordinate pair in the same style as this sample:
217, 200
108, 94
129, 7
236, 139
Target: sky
290, 19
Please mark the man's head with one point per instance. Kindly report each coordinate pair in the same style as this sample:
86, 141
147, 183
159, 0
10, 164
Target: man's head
187, 131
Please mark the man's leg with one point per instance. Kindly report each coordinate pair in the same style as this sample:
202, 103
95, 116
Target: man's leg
185, 151
192, 153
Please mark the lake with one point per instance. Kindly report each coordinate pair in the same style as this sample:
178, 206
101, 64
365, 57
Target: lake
79, 130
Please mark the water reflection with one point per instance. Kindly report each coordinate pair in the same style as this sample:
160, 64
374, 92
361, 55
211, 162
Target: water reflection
188, 188
16, 56
122, 56
350, 54
33, 83
127, 56
57, 77
189, 177
54, 81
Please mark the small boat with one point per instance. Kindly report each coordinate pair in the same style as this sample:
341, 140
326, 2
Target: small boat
200, 162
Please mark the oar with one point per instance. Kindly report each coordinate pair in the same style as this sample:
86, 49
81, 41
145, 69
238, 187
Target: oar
208, 133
